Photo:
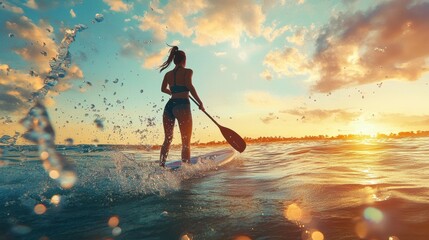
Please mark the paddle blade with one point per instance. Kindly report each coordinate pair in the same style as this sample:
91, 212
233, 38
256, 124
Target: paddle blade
233, 139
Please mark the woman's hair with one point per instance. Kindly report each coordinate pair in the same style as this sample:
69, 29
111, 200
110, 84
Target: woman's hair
176, 55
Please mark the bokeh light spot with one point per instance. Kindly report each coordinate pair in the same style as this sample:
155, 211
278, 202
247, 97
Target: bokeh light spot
39, 209
68, 179
186, 237
242, 237
293, 212
373, 214
116, 231
56, 199
44, 155
316, 235
361, 229
54, 174
113, 221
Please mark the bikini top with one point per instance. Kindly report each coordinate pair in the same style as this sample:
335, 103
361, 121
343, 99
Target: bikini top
177, 88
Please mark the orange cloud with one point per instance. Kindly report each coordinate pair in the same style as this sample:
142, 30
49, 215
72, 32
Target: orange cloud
42, 4
404, 121
226, 21
268, 119
11, 8
42, 48
118, 5
272, 32
216, 22
386, 42
16, 88
262, 99
339, 115
171, 19
155, 59
286, 62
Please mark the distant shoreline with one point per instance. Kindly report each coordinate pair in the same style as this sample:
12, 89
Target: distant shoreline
147, 147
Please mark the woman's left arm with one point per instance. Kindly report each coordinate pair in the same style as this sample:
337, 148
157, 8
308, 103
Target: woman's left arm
164, 87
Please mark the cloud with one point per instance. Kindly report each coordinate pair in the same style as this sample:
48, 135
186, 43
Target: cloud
40, 38
268, 119
386, 42
16, 88
286, 62
171, 19
133, 47
155, 59
210, 22
269, 4
118, 5
314, 115
272, 32
42, 4
11, 8
298, 37
266, 75
219, 54
404, 121
261, 99
227, 21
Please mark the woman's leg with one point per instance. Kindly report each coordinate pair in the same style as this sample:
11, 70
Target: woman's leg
168, 123
183, 114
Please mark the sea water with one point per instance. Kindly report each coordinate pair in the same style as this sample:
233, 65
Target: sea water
312, 190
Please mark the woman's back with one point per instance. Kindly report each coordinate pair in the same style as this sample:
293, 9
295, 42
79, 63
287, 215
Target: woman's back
178, 81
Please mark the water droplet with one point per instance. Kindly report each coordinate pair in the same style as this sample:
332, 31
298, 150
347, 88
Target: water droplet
99, 17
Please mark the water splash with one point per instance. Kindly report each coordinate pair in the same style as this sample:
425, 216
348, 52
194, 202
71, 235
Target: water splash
146, 177
41, 132
59, 64
99, 17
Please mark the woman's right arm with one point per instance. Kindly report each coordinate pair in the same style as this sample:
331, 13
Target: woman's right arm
164, 85
192, 90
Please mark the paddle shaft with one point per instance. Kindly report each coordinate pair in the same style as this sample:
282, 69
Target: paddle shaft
208, 115
230, 136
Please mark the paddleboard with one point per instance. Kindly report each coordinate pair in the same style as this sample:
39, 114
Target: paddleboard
217, 158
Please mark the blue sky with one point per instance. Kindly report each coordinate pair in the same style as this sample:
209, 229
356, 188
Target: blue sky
265, 68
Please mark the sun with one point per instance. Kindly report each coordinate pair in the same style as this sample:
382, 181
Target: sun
362, 127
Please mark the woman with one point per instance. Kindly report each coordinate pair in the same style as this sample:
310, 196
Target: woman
178, 84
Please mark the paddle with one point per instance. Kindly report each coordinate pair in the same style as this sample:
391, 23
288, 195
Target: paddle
230, 136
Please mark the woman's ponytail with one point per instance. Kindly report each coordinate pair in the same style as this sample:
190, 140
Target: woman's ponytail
173, 51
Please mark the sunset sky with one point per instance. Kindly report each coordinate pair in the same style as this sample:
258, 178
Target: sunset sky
263, 68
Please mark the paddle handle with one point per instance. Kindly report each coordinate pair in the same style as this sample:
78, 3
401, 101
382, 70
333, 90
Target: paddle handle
208, 115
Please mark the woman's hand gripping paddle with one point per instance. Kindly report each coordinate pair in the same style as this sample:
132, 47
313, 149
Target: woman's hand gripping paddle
230, 136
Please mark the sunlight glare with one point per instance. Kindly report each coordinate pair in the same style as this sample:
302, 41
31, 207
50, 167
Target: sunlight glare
363, 127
